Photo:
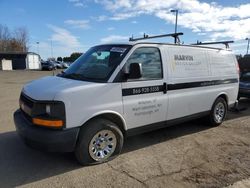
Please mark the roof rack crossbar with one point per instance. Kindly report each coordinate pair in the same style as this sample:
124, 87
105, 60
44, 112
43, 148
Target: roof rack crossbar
226, 43
174, 35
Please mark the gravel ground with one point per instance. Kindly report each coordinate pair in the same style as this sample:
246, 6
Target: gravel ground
187, 155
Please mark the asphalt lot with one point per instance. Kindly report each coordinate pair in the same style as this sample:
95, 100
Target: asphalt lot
187, 155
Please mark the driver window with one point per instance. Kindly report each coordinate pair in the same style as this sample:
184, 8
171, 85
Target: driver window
150, 60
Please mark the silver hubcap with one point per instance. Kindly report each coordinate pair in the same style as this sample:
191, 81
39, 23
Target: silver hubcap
219, 112
102, 145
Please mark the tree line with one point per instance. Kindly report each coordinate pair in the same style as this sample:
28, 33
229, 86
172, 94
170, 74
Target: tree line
71, 58
13, 40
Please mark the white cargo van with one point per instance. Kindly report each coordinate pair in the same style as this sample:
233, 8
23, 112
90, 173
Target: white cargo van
118, 90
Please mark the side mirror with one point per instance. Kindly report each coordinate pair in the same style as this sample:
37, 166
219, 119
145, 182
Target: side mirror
135, 71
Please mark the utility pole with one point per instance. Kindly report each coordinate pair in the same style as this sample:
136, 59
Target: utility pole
51, 49
37, 47
176, 20
248, 39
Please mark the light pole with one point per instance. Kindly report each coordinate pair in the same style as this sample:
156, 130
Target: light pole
176, 19
248, 39
37, 47
51, 49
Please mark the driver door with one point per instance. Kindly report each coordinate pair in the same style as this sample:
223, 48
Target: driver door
144, 99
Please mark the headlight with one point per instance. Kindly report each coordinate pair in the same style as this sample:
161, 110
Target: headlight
49, 114
47, 109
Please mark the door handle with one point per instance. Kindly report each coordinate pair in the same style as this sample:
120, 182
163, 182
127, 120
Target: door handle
164, 87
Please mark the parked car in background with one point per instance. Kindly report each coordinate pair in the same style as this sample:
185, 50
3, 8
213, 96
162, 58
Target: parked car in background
61, 63
58, 64
244, 88
47, 65
65, 65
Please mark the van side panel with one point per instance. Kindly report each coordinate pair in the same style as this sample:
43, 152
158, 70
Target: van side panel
223, 65
194, 81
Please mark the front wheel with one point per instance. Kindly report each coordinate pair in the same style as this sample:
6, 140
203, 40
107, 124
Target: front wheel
100, 140
218, 112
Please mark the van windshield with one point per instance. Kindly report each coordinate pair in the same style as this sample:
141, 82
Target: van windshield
97, 64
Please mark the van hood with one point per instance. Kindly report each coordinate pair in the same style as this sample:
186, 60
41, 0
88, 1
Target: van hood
48, 87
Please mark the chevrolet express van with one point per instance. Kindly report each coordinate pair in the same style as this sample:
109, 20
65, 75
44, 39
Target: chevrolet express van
118, 90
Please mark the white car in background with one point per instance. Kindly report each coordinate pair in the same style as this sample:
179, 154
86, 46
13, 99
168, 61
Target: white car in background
65, 65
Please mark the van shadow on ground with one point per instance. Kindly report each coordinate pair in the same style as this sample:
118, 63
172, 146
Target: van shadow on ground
21, 165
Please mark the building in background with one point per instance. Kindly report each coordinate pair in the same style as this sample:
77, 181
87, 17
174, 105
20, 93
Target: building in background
22, 60
5, 64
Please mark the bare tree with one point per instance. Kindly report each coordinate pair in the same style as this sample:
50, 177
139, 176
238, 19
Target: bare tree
17, 41
4, 32
5, 37
21, 37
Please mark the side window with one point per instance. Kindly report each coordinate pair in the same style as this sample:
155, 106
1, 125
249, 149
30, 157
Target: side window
150, 60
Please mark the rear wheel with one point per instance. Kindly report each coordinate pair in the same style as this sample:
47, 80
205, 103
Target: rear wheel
218, 112
100, 140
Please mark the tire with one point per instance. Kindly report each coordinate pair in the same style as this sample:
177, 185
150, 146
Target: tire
218, 112
92, 148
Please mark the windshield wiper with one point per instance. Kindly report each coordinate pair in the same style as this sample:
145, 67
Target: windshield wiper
76, 76
72, 76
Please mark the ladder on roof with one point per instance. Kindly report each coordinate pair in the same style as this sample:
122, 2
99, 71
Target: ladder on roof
145, 37
226, 43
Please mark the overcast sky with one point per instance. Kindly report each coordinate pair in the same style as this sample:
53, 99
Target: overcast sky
76, 25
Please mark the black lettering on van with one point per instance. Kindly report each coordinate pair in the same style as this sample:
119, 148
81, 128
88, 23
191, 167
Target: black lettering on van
142, 90
183, 58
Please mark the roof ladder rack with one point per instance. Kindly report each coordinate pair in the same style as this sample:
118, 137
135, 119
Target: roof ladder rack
226, 43
174, 35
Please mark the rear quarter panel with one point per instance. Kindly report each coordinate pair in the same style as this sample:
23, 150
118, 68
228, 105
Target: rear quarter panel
201, 65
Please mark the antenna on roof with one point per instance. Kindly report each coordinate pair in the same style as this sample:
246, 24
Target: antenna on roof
226, 43
174, 35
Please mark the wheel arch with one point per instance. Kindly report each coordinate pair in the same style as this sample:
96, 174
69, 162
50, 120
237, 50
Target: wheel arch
224, 96
111, 116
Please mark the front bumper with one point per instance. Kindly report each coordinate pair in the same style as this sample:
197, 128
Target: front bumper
43, 138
